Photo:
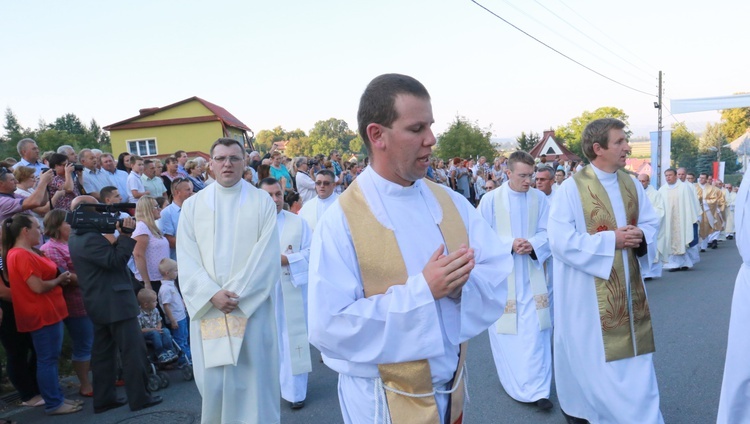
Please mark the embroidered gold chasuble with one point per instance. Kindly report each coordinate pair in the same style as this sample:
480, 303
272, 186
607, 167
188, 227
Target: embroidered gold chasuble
620, 305
381, 266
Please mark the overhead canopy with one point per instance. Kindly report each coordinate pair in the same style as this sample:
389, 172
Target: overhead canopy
710, 103
742, 144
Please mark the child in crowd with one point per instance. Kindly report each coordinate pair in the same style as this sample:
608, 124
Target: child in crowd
150, 321
174, 308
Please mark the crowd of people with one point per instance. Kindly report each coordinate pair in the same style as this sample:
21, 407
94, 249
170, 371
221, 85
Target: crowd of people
236, 264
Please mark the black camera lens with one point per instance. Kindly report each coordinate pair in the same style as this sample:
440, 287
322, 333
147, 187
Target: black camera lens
78, 167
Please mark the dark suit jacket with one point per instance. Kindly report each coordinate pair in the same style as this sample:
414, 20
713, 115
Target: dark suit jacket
104, 277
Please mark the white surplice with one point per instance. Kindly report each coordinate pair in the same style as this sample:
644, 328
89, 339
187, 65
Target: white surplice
293, 387
406, 323
523, 360
682, 212
729, 227
653, 268
227, 239
734, 404
622, 391
695, 252
314, 209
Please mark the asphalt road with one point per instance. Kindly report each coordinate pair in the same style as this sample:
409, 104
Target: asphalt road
690, 315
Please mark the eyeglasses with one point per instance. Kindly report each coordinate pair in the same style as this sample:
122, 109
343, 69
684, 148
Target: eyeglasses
488, 188
523, 176
543, 179
232, 159
323, 183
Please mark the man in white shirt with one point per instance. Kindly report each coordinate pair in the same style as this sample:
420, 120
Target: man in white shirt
29, 151
182, 189
136, 189
305, 180
117, 177
152, 183
94, 179
314, 209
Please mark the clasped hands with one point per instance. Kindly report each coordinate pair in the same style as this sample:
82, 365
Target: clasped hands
628, 236
522, 246
225, 301
447, 274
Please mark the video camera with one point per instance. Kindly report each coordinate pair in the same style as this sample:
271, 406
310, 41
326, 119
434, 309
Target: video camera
99, 217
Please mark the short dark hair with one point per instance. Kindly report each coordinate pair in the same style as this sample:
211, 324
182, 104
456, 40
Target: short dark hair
597, 131
520, 156
57, 159
548, 170
378, 102
270, 181
224, 141
147, 161
672, 170
169, 160
291, 197
691, 173
107, 192
703, 173
327, 173
179, 153
53, 221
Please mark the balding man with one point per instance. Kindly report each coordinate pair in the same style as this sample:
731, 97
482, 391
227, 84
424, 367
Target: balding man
68, 151
655, 255
29, 152
94, 179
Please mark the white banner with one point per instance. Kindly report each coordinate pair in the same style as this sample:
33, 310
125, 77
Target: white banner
666, 146
710, 103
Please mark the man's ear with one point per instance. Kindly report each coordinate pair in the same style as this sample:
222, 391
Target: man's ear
376, 134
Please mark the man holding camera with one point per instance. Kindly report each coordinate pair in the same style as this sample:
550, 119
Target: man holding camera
111, 304
305, 179
11, 203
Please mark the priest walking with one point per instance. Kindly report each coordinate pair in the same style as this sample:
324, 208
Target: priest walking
521, 340
653, 266
402, 272
600, 223
678, 231
228, 251
712, 205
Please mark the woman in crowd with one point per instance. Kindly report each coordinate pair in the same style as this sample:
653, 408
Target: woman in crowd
460, 174
150, 244
25, 186
264, 171
79, 325
441, 176
63, 188
39, 305
479, 184
294, 201
123, 162
195, 174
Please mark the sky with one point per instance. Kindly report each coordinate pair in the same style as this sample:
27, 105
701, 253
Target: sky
292, 63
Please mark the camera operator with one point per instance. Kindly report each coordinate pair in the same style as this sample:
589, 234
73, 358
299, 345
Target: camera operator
305, 178
111, 304
66, 184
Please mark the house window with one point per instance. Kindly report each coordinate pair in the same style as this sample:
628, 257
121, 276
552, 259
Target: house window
145, 147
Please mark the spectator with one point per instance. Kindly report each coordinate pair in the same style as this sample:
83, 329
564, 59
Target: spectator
78, 323
278, 170
479, 183
305, 179
182, 159
136, 189
123, 162
10, 161
12, 203
44, 158
294, 201
441, 176
25, 187
461, 175
39, 305
182, 188
94, 178
174, 309
117, 177
249, 176
195, 174
29, 152
62, 189
151, 327
151, 178
98, 156
150, 244
254, 160
68, 151
264, 171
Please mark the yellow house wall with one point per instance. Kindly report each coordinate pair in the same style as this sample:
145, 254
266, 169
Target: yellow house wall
171, 138
187, 110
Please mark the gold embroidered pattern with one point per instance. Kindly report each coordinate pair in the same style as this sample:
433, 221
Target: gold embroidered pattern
510, 307
542, 301
226, 326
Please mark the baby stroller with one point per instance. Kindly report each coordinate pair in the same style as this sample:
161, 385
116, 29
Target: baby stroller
158, 378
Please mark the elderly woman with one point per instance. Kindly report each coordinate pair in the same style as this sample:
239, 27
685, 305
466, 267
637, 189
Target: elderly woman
26, 181
195, 174
79, 325
39, 305
150, 244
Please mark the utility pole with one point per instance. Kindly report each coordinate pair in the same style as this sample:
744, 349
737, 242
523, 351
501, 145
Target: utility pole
658, 144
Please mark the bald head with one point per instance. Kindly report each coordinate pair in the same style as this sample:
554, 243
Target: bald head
644, 179
82, 199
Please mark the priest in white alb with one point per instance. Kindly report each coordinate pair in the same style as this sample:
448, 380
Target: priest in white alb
678, 232
228, 251
600, 225
712, 204
521, 340
653, 266
693, 250
403, 272
313, 209
290, 299
731, 196
734, 403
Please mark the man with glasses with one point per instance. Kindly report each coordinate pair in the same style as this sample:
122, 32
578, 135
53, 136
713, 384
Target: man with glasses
324, 186
521, 340
543, 181
182, 189
229, 263
11, 203
489, 185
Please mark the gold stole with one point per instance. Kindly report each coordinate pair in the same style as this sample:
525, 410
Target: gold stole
508, 322
615, 310
381, 266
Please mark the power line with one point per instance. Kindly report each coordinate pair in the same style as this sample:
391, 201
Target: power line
559, 52
593, 39
606, 35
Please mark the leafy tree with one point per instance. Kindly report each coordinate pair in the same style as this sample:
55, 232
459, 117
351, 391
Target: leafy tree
731, 163
713, 138
265, 138
323, 145
684, 150
571, 132
69, 123
527, 142
357, 145
299, 146
735, 122
335, 129
705, 163
464, 139
12, 128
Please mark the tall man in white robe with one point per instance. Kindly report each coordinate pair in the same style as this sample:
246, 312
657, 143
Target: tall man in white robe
228, 251
599, 222
290, 298
731, 196
548, 187
427, 273
712, 204
734, 403
325, 185
692, 251
652, 268
521, 340
678, 229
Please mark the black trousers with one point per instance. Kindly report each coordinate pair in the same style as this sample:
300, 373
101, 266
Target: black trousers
126, 337
20, 353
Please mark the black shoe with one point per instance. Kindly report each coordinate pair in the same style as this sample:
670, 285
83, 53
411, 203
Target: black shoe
298, 405
116, 404
543, 404
730, 237
703, 250
715, 245
573, 420
152, 401
673, 269
648, 278
684, 268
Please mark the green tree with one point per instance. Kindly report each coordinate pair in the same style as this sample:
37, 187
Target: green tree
527, 142
571, 132
684, 150
464, 139
323, 145
357, 145
335, 129
265, 138
713, 138
69, 123
299, 146
734, 122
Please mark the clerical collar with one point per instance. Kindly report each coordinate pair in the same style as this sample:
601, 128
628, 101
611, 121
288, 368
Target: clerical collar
228, 190
603, 175
391, 189
672, 185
